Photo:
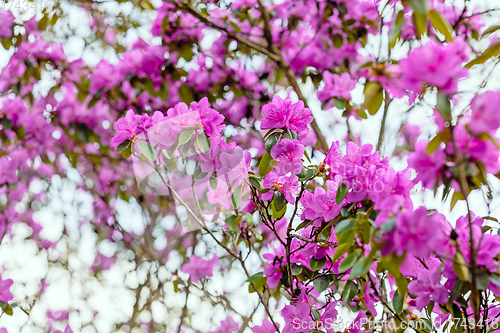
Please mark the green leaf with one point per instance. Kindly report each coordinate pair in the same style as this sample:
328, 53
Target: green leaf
398, 303
279, 201
361, 268
396, 28
441, 24
255, 183
122, 146
233, 222
338, 41
374, 96
490, 52
341, 193
454, 199
350, 291
308, 174
203, 143
419, 6
259, 283
490, 30
455, 290
402, 284
147, 150
277, 214
186, 135
460, 267
436, 141
236, 196
316, 264
6, 124
266, 165
127, 152
271, 141
345, 225
213, 181
186, 94
255, 277
93, 101
420, 22
296, 269
349, 262
321, 283
444, 105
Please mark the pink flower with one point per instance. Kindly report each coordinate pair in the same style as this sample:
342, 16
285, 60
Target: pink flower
198, 268
7, 20
288, 153
435, 65
66, 330
282, 113
5, 294
427, 166
485, 114
102, 263
227, 326
427, 287
126, 128
273, 269
418, 233
8, 170
288, 185
295, 316
339, 86
266, 327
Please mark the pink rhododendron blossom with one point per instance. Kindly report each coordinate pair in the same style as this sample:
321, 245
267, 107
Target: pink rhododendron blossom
198, 268
485, 114
227, 326
5, 294
294, 316
418, 233
339, 86
289, 154
288, 185
266, 327
7, 20
427, 287
428, 166
434, 65
282, 113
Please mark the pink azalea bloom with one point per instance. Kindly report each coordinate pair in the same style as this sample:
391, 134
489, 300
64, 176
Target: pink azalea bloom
266, 327
487, 245
329, 316
427, 166
339, 86
198, 268
282, 113
102, 263
427, 287
66, 330
227, 326
294, 317
485, 114
288, 153
418, 233
357, 324
273, 269
7, 20
125, 128
8, 170
435, 65
5, 294
288, 185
